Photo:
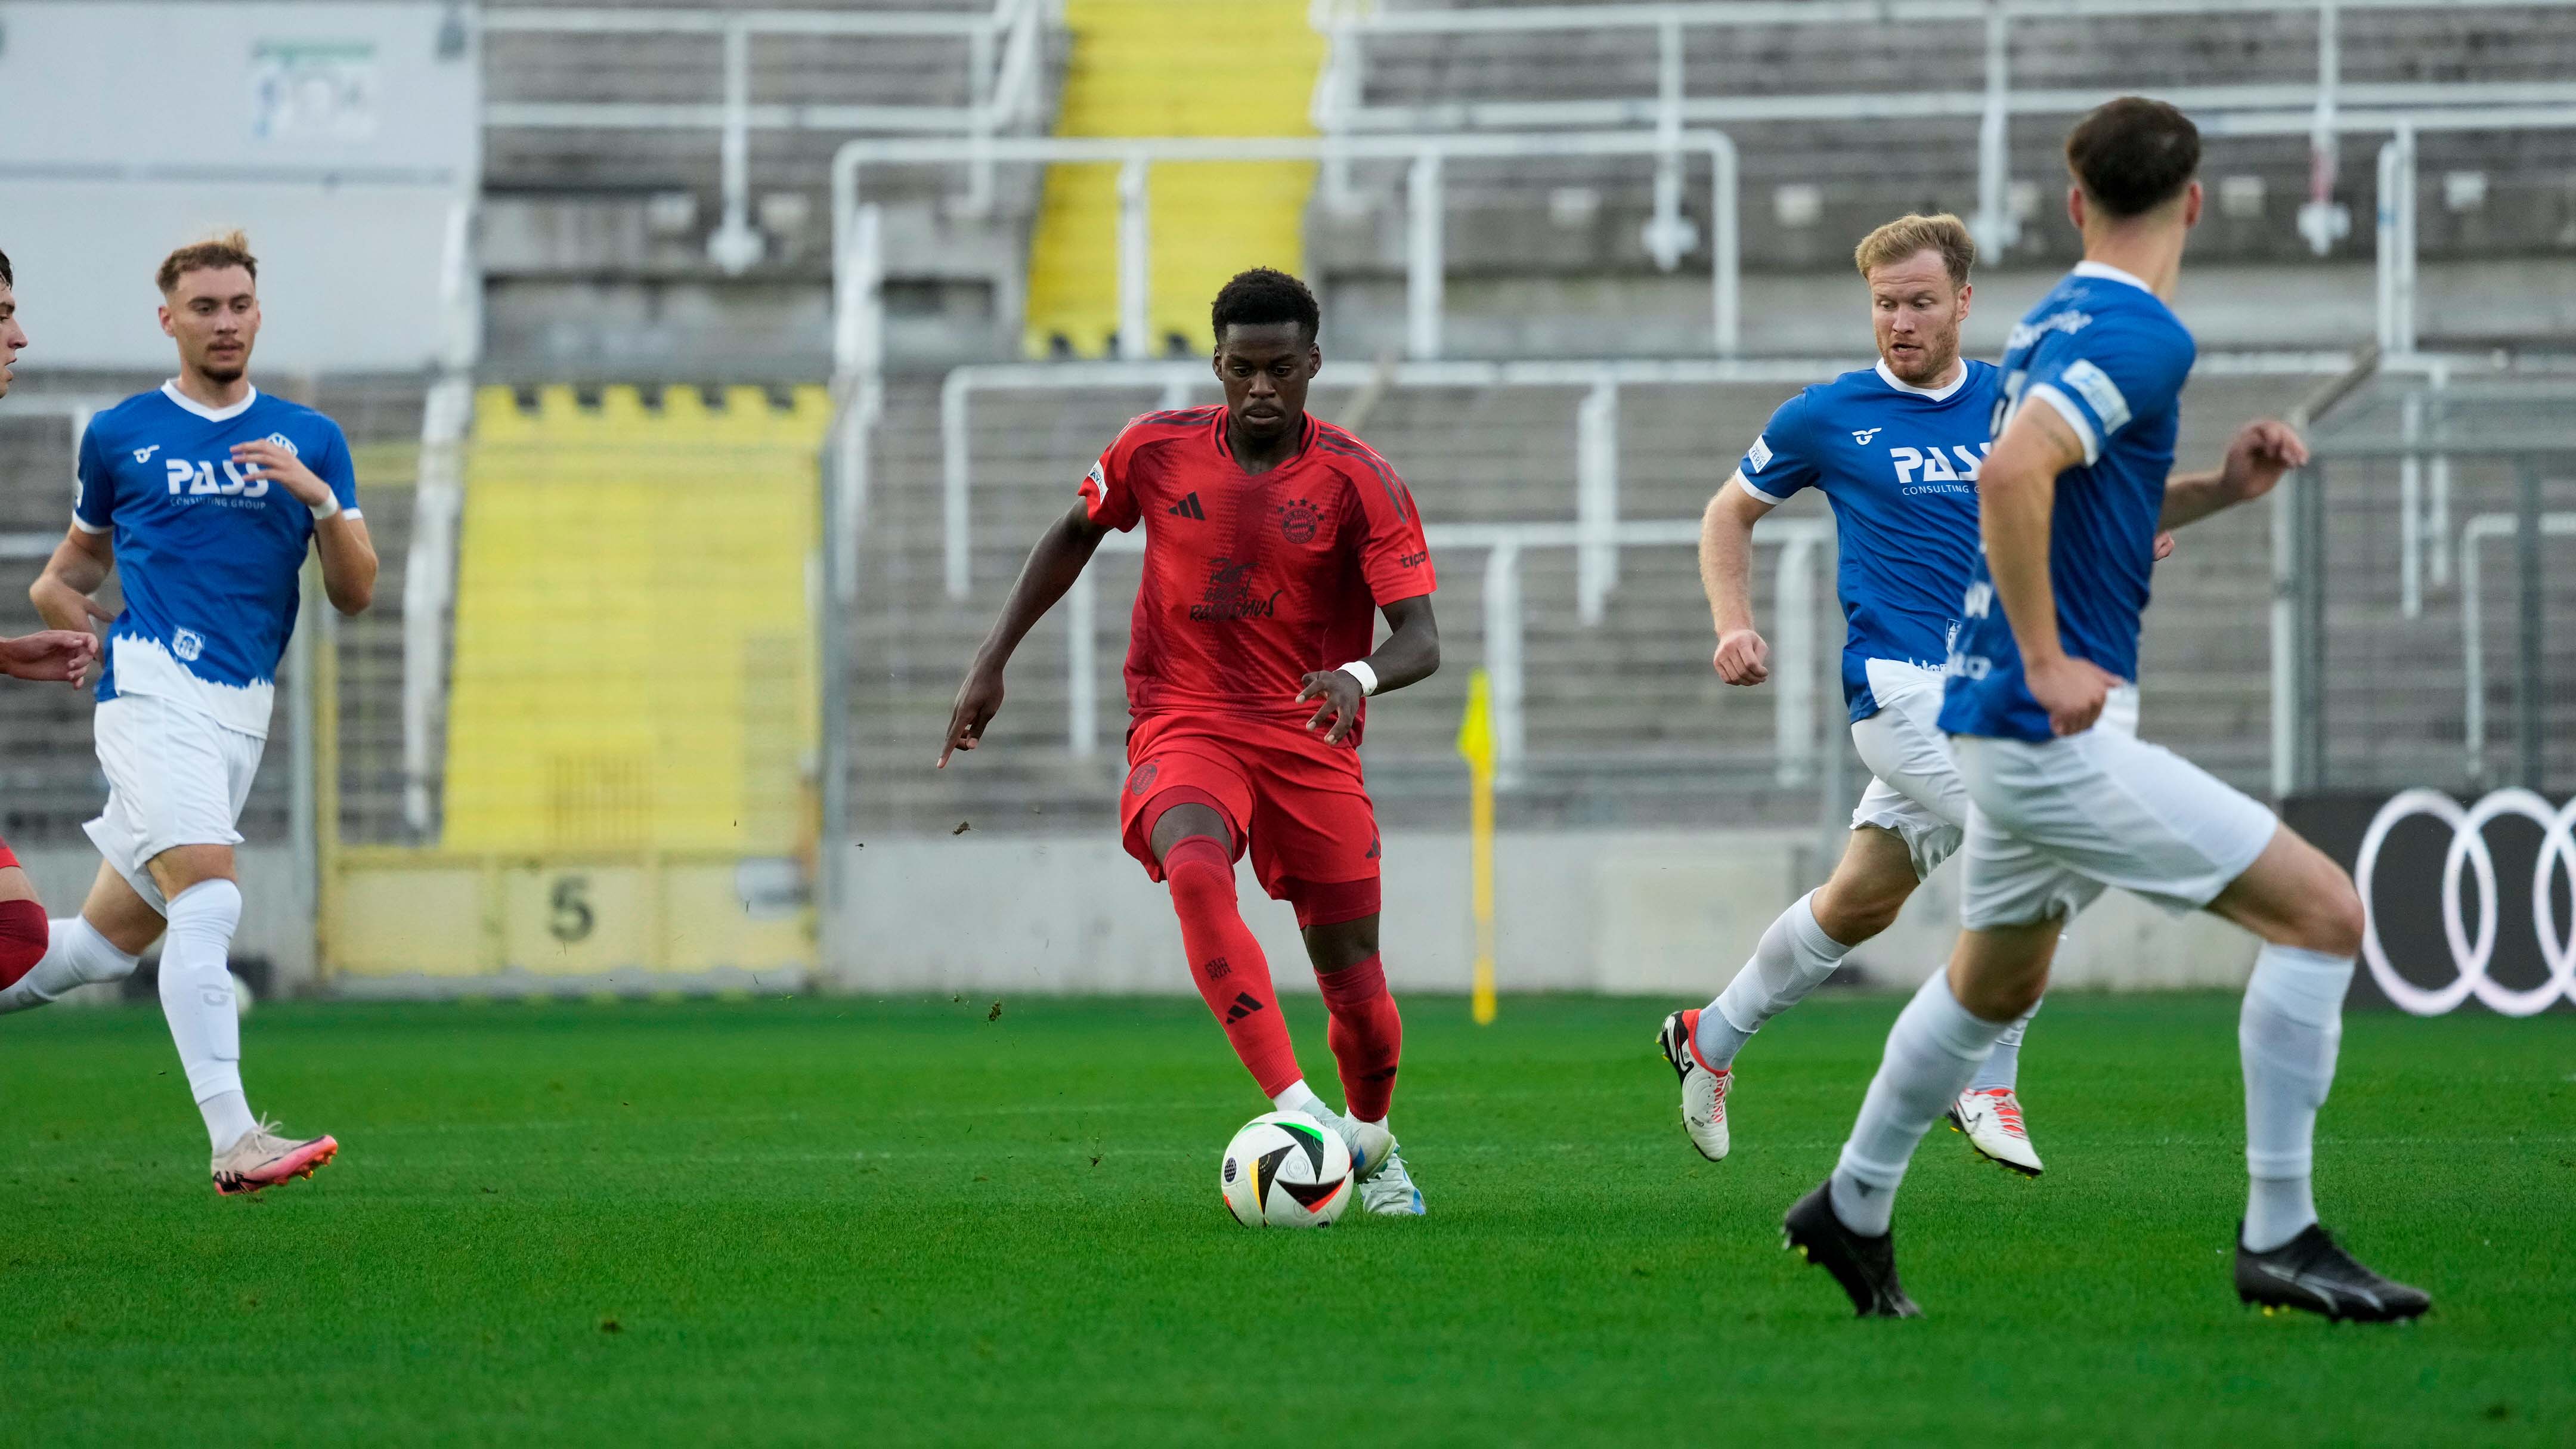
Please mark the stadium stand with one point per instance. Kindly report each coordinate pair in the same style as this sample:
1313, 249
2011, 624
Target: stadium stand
1625, 720
1863, 170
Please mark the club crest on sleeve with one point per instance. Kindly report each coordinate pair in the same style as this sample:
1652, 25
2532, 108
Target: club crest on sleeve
1298, 521
1141, 779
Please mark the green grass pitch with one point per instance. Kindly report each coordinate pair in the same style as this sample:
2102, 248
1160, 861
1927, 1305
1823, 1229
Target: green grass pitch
846, 1221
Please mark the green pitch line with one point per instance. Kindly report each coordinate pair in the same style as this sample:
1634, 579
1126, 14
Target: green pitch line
828, 1221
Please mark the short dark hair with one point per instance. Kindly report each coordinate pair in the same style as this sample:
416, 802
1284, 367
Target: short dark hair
2133, 155
8, 278
1262, 296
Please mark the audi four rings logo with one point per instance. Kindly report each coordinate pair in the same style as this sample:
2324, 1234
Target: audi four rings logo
2473, 951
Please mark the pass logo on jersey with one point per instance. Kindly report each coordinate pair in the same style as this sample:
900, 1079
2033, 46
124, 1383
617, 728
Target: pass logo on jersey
200, 478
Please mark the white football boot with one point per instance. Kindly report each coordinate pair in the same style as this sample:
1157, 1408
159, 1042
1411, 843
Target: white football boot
1991, 1119
1391, 1193
1371, 1146
261, 1158
1703, 1088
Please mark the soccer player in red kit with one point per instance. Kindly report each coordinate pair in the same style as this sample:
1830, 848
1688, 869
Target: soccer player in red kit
1272, 539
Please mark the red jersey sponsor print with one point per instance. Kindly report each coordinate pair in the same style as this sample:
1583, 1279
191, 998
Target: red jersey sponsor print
1253, 582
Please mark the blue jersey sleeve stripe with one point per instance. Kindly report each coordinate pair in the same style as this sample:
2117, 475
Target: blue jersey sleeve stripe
1747, 485
2073, 412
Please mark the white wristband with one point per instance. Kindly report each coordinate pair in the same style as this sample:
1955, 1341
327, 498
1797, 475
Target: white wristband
1358, 669
328, 507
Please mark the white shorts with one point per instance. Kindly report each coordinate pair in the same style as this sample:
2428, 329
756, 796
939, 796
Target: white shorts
2055, 822
1916, 792
174, 777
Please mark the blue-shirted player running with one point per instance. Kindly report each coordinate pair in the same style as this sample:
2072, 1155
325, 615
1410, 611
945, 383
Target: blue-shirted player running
1896, 450
204, 495
2065, 799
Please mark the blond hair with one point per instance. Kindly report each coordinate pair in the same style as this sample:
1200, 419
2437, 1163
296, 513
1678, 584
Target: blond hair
1911, 235
227, 249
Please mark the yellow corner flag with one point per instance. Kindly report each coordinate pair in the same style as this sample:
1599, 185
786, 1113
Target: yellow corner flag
1476, 747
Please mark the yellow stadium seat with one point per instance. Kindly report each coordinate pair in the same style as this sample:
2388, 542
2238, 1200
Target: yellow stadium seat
1173, 68
634, 659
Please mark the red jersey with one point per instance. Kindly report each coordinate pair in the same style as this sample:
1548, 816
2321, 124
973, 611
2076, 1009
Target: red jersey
1252, 582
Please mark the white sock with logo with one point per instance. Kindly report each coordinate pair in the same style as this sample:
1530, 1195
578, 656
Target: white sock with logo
1934, 1048
197, 999
2287, 1036
75, 955
1794, 958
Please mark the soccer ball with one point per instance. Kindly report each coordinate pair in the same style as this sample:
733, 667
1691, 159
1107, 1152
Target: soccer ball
1286, 1170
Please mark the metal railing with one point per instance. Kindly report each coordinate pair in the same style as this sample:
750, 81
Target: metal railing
2524, 465
1802, 543
2322, 110
1003, 63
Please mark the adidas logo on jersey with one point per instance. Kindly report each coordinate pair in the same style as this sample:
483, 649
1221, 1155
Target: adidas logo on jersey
1188, 508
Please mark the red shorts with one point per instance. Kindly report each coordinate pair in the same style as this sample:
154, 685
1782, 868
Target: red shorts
8, 857
1298, 804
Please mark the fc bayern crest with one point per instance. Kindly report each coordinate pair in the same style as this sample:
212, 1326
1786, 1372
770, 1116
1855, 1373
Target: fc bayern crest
1298, 521
1142, 778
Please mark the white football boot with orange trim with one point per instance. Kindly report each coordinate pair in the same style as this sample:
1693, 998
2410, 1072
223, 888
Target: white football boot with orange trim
1703, 1087
1991, 1119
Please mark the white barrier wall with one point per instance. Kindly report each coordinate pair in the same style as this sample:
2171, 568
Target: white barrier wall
341, 136
1626, 912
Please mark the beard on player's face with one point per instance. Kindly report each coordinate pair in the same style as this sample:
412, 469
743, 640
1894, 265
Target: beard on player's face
1922, 351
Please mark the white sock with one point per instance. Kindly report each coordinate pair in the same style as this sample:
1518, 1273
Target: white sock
197, 998
2004, 1067
1794, 957
75, 955
2286, 1036
1301, 1098
227, 1118
1931, 1052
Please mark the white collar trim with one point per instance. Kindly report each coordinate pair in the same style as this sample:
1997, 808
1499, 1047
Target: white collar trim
171, 391
1888, 375
2109, 273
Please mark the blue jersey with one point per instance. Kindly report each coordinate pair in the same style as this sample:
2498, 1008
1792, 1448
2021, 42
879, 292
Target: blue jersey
208, 557
1899, 465
2111, 358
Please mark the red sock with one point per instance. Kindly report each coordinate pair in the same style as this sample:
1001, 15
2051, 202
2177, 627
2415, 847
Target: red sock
1227, 963
23, 937
1366, 1036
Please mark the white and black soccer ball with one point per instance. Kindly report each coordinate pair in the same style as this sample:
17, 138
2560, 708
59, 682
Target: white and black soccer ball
1286, 1170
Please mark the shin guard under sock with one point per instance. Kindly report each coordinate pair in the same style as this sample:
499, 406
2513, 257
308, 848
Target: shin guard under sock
1366, 1035
1226, 961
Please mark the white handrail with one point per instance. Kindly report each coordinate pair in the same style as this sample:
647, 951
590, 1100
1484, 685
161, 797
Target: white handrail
1801, 540
438, 508
1423, 273
1002, 91
2323, 110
